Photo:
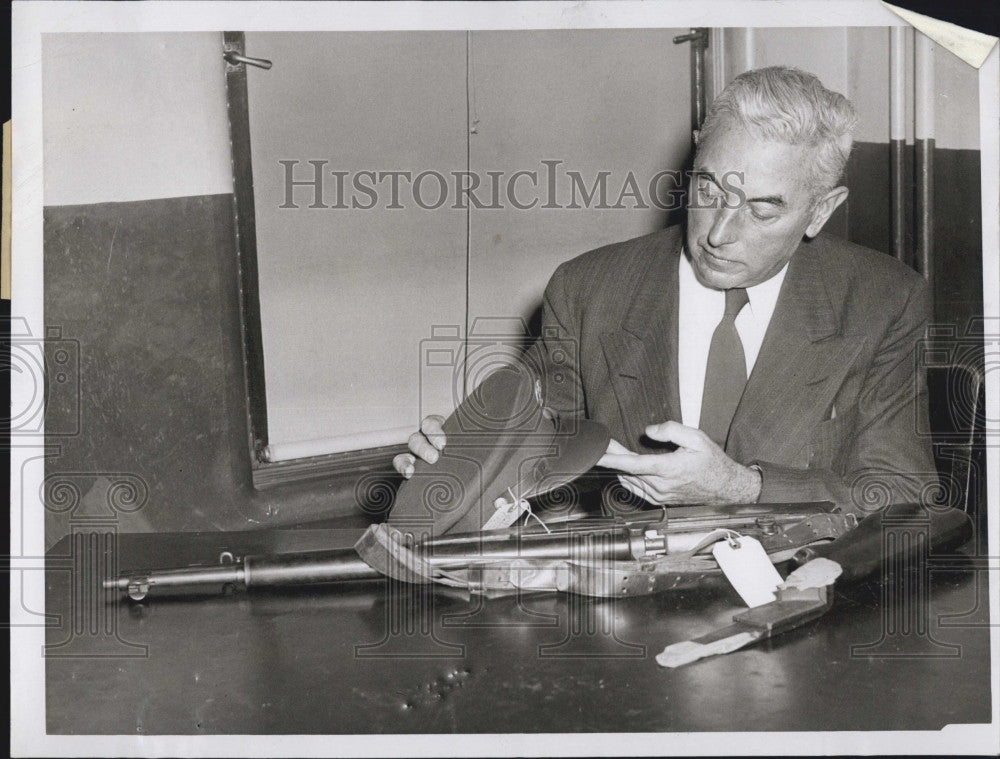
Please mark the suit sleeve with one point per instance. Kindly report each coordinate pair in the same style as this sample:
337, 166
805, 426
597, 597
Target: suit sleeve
555, 355
886, 458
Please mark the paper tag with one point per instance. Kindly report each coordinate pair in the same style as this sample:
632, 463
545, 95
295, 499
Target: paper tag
507, 512
748, 570
817, 573
679, 654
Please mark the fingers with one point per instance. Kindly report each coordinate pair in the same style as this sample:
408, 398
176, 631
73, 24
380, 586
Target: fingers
675, 432
658, 464
631, 484
654, 490
616, 449
624, 462
635, 486
403, 463
431, 427
426, 444
421, 447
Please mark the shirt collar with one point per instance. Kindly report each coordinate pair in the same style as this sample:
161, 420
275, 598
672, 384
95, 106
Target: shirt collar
763, 296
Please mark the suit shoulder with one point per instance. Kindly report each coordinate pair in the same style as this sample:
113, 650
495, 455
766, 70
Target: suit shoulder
625, 261
868, 284
857, 265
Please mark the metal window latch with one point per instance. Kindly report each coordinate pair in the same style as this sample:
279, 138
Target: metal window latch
234, 59
697, 34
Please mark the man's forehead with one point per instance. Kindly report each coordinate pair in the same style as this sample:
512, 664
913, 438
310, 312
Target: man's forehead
760, 166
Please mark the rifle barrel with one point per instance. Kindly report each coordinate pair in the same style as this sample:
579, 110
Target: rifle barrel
344, 564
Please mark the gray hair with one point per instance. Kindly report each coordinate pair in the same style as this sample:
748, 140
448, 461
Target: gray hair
792, 106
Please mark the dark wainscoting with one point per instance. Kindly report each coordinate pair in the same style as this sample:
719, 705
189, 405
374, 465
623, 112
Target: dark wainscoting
958, 264
146, 291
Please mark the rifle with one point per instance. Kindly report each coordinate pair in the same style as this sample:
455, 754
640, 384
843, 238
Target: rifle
654, 544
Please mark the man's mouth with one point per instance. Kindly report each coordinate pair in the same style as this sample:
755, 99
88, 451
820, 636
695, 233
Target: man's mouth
715, 261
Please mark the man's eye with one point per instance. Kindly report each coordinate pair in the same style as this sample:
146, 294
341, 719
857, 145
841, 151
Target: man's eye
761, 215
708, 190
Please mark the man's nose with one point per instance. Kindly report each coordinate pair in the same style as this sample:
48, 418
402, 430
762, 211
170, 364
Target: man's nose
724, 227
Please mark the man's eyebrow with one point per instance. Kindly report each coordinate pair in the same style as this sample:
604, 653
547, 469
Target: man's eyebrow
775, 200
706, 174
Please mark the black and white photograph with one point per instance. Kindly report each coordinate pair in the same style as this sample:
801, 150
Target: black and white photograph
503, 379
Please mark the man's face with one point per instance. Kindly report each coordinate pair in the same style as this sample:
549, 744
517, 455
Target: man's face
749, 207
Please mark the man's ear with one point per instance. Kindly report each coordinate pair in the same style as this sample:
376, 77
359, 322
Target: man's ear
824, 208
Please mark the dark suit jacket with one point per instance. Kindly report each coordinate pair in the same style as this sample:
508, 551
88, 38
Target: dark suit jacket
829, 411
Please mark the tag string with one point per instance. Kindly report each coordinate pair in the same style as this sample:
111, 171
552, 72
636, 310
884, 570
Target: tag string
731, 536
528, 512
531, 513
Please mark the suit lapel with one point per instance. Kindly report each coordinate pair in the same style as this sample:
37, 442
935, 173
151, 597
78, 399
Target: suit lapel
802, 347
642, 354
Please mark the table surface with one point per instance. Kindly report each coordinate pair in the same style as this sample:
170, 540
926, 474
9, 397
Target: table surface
360, 659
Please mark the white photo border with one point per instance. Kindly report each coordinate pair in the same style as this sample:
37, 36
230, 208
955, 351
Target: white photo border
31, 20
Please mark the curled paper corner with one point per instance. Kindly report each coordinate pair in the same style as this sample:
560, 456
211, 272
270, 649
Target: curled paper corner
971, 46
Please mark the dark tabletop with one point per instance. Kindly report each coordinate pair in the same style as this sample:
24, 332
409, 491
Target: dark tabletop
367, 659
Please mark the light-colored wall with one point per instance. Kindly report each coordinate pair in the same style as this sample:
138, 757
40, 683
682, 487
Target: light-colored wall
347, 295
855, 61
956, 110
867, 58
821, 51
133, 117
596, 100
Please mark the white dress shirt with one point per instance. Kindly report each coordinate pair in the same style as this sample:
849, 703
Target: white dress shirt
699, 312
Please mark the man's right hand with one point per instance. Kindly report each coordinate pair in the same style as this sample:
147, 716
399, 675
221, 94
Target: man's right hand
424, 444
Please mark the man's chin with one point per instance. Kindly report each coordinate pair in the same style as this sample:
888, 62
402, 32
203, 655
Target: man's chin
709, 277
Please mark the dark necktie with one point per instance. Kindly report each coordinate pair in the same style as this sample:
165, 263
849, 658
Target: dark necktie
725, 373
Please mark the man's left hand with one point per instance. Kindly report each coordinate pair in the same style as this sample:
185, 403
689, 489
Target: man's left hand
699, 471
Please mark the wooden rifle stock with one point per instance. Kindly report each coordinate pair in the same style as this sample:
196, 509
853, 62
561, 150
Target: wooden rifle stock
876, 541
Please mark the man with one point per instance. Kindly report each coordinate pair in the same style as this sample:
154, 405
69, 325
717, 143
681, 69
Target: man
748, 357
